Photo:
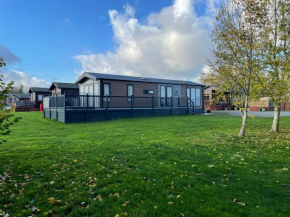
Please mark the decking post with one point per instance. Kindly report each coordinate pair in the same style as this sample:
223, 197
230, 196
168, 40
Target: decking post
187, 105
56, 114
152, 105
64, 104
87, 107
171, 105
132, 98
107, 108
179, 102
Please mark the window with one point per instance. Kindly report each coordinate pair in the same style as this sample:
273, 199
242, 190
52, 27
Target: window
39, 97
194, 95
106, 92
9, 100
130, 91
106, 89
148, 92
206, 96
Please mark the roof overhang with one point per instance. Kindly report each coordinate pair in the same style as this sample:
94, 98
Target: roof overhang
84, 77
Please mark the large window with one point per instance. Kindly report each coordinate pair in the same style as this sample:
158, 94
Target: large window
130, 91
194, 95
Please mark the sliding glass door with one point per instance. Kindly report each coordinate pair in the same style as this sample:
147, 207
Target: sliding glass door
194, 95
166, 93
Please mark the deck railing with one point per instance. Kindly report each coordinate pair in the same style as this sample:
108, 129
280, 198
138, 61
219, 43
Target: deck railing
113, 102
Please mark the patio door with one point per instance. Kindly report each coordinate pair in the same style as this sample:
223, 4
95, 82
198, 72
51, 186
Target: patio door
166, 93
97, 94
91, 95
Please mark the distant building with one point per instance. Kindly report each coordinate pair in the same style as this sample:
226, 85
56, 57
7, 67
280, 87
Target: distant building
24, 97
11, 97
37, 94
58, 88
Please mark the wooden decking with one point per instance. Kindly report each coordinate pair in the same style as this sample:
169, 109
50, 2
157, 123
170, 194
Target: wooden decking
91, 109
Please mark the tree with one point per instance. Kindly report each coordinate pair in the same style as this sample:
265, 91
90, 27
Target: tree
21, 89
6, 117
236, 31
275, 77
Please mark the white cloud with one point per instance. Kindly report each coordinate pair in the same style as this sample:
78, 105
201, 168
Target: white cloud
171, 44
23, 78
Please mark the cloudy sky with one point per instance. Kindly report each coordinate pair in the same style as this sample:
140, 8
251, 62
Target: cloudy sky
54, 39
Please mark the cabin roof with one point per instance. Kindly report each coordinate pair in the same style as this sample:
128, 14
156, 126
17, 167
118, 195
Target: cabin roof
24, 96
97, 76
63, 85
39, 89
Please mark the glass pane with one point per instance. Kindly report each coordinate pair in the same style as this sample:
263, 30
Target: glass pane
86, 90
192, 92
82, 90
162, 92
169, 92
106, 89
197, 100
96, 89
130, 90
188, 93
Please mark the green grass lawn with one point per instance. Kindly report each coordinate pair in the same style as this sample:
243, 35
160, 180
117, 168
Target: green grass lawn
158, 166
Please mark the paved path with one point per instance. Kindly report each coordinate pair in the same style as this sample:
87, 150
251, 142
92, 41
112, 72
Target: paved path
256, 114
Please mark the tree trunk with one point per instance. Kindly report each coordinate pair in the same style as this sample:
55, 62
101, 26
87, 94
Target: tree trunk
276, 120
245, 117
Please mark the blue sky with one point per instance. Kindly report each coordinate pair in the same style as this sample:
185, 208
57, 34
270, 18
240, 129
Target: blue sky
47, 35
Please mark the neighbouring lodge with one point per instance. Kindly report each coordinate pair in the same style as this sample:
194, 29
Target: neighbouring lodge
106, 96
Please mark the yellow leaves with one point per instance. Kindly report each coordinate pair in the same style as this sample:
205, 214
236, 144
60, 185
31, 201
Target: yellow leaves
21, 191
155, 207
117, 215
175, 163
170, 203
124, 205
51, 200
75, 160
114, 195
125, 214
99, 197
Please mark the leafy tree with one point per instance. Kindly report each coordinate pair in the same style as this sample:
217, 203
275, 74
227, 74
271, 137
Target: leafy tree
275, 77
236, 32
6, 117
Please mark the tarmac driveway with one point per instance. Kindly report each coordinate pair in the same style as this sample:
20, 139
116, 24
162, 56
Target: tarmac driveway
256, 114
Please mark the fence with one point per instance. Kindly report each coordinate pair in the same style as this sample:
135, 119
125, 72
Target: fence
100, 102
24, 104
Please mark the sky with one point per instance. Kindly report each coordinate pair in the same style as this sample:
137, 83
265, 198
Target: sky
56, 40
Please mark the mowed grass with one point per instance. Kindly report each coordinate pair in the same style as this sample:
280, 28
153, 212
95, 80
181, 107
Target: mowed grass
158, 166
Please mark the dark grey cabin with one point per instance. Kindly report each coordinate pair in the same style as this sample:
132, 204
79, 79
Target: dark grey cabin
37, 94
60, 88
106, 96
